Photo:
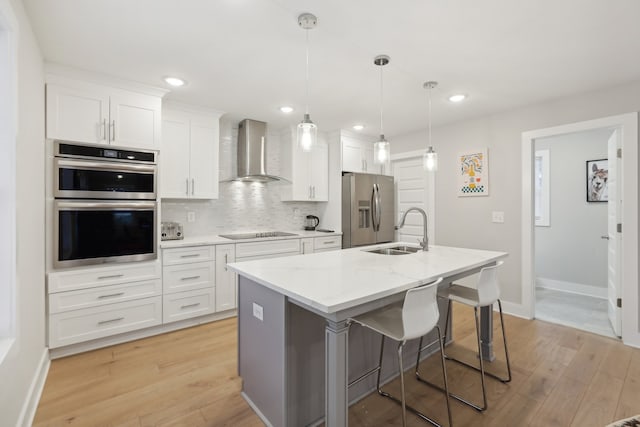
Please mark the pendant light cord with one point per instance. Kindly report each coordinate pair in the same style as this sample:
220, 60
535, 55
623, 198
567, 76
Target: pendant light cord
429, 98
307, 72
381, 104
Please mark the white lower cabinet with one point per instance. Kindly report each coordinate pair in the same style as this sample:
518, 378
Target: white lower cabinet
306, 245
74, 326
226, 280
187, 304
188, 282
329, 243
91, 303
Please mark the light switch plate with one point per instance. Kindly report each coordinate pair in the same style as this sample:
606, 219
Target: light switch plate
191, 216
497, 216
257, 311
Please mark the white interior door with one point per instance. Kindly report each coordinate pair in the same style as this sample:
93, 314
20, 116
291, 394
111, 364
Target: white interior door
414, 188
614, 207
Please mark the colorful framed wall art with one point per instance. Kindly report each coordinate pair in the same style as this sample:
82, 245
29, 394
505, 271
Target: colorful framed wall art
473, 178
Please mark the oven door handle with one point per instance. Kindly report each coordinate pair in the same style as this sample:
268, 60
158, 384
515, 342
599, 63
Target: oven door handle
112, 166
90, 205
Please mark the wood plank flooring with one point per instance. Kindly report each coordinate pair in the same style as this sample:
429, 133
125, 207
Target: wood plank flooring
561, 377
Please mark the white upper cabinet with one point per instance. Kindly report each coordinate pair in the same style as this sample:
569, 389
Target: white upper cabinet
307, 171
86, 112
357, 156
189, 155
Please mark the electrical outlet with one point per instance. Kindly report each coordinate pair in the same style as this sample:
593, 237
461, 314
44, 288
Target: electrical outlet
257, 311
497, 216
191, 216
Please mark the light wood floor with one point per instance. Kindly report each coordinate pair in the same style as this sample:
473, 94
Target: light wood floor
561, 377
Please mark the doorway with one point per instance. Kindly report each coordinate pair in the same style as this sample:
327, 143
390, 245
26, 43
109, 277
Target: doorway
414, 187
573, 174
625, 231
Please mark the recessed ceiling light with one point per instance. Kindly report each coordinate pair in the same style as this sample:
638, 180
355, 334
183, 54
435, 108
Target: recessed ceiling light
358, 127
286, 109
457, 97
174, 81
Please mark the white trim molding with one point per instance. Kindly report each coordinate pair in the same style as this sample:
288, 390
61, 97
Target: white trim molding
571, 287
28, 412
628, 124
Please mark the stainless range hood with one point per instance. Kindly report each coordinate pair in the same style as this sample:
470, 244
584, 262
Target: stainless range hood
252, 152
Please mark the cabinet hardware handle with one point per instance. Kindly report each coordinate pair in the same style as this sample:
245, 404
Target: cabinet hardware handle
112, 133
193, 186
111, 295
190, 256
226, 260
117, 319
103, 130
313, 191
309, 191
190, 278
330, 242
113, 276
187, 182
182, 307
604, 237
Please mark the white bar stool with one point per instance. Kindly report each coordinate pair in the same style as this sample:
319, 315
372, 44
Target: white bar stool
486, 294
415, 318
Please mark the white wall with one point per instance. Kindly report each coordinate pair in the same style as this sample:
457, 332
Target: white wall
570, 249
467, 221
20, 367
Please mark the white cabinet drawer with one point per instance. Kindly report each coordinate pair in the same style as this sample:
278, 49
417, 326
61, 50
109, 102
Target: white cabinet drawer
103, 295
183, 305
102, 276
97, 322
175, 256
177, 278
267, 248
329, 242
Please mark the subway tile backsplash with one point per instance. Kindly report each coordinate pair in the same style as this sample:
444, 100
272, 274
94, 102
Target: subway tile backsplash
241, 206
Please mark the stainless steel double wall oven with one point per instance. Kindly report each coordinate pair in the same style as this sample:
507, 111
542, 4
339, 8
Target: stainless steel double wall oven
105, 207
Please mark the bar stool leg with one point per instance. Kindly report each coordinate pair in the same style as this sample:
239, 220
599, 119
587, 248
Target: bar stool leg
444, 374
380, 392
504, 340
484, 393
402, 394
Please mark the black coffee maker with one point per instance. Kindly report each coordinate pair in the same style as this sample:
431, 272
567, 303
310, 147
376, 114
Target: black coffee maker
311, 222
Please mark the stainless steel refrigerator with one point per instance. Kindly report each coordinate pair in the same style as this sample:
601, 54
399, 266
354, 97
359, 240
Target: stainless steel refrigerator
367, 209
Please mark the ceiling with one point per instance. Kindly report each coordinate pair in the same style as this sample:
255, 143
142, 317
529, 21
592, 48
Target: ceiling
247, 57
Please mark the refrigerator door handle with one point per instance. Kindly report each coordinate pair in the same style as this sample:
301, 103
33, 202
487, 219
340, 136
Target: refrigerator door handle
376, 211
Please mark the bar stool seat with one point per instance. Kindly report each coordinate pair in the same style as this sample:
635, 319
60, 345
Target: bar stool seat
414, 318
486, 294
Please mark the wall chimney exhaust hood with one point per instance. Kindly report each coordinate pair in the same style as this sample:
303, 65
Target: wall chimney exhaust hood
252, 152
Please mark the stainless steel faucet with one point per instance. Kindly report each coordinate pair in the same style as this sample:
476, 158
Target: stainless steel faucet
424, 243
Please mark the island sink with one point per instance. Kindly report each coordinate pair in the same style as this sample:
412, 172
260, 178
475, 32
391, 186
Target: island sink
395, 250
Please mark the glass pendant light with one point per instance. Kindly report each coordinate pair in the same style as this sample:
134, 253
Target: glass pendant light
307, 130
381, 147
430, 157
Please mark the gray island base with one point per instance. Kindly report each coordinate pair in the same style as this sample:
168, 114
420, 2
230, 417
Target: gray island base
295, 352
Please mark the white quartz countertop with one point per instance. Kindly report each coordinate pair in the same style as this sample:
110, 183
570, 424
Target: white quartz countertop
217, 240
333, 281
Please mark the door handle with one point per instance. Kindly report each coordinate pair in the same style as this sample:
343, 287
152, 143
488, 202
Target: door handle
604, 237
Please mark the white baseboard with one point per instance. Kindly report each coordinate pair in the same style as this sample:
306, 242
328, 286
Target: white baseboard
574, 288
28, 412
514, 309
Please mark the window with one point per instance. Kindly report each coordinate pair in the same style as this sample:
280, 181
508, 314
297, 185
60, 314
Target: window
541, 184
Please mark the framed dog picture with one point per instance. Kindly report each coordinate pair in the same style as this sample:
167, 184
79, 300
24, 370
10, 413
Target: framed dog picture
597, 174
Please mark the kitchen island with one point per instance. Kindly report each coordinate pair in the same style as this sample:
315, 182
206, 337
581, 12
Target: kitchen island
293, 339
